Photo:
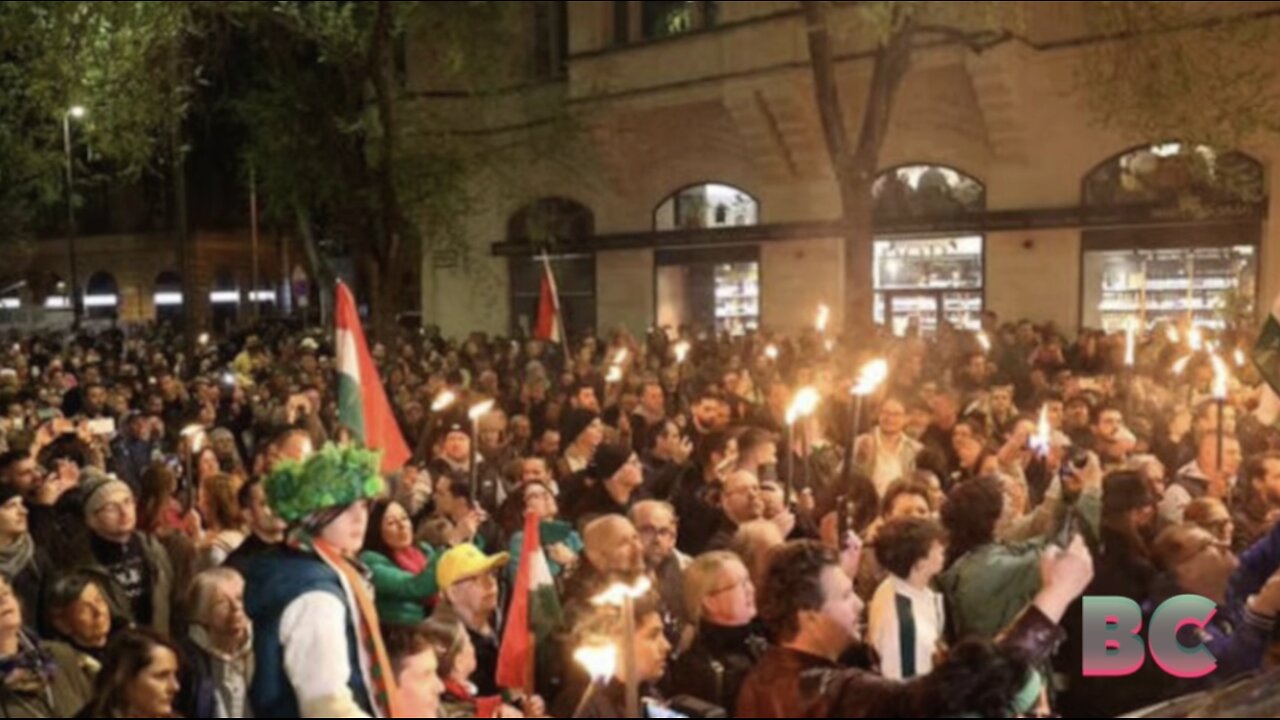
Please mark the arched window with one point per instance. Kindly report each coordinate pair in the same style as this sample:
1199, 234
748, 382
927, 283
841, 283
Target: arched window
102, 296
55, 291
168, 296
927, 192
168, 289
709, 205
553, 221
563, 227
924, 281
226, 289
1176, 179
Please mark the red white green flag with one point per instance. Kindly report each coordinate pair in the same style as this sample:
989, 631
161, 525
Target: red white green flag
534, 614
362, 401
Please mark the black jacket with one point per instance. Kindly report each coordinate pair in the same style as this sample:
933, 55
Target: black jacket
713, 669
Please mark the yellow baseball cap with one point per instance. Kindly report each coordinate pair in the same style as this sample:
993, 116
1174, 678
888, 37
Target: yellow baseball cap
465, 562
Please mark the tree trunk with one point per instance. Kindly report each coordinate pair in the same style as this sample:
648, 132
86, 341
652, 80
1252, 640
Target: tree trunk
856, 167
321, 274
380, 261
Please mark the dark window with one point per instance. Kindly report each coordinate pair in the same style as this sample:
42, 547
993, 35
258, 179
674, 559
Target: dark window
664, 19
102, 296
551, 45
576, 282
554, 221
927, 192
621, 22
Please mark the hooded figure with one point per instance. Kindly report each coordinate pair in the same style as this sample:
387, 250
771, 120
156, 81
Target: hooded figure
299, 595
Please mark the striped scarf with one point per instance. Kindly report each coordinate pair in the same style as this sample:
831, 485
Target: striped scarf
385, 693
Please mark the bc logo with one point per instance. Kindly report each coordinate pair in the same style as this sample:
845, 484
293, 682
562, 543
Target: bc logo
1113, 645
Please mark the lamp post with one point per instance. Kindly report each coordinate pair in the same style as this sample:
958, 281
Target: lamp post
76, 112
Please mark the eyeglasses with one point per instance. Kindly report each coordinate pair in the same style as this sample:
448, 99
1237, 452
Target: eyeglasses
117, 508
662, 533
743, 583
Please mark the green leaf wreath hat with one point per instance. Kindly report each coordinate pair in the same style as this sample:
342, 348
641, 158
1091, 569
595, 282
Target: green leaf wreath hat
333, 478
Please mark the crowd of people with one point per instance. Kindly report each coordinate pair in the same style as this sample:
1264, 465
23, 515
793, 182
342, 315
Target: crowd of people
190, 531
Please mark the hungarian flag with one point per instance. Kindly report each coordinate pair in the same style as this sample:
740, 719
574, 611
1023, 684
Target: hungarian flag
1266, 355
534, 614
548, 328
362, 402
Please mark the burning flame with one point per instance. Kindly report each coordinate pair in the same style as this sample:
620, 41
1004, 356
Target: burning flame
1221, 379
1241, 359
620, 592
1131, 346
620, 358
1173, 335
1180, 367
682, 351
600, 661
615, 375
804, 405
873, 374
1043, 438
771, 352
985, 342
824, 317
444, 401
1197, 340
195, 437
479, 411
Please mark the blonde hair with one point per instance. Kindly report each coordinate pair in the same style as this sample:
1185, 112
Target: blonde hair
700, 580
753, 543
203, 586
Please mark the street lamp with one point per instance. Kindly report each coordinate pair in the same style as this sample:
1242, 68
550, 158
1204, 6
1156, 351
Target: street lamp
76, 112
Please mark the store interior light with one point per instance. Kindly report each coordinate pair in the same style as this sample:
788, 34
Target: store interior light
168, 299
101, 301
224, 297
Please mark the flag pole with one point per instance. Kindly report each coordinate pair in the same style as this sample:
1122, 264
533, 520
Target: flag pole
555, 298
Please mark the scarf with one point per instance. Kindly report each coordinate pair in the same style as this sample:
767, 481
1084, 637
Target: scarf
463, 694
232, 673
411, 560
384, 689
15, 558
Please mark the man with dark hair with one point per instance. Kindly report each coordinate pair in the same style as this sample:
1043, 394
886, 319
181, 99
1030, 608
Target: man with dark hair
1109, 439
809, 604
666, 452
906, 620
1260, 509
615, 476
467, 523
696, 498
757, 452
266, 531
708, 414
650, 414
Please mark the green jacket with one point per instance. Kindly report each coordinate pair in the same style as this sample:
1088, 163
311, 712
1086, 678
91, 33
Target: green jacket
65, 695
988, 587
400, 596
162, 584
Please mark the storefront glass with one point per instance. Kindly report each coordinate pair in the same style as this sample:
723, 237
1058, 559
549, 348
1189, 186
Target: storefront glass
737, 297
1150, 285
920, 281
